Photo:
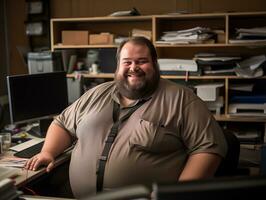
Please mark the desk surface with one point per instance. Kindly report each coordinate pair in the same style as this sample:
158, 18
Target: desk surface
29, 197
26, 176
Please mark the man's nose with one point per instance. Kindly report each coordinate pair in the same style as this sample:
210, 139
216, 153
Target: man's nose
135, 65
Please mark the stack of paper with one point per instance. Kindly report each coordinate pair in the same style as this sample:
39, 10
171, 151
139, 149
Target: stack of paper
8, 172
214, 64
254, 35
250, 68
187, 36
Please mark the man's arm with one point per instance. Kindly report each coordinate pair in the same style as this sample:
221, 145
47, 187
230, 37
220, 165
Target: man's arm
200, 166
56, 141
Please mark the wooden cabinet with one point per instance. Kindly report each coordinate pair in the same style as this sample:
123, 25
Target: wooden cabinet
224, 23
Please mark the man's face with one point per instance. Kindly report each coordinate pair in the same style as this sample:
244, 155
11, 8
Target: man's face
135, 75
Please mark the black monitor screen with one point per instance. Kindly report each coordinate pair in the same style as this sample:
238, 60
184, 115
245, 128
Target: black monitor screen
36, 96
227, 188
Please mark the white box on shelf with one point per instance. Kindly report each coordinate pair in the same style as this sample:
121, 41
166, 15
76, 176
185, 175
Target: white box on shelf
216, 106
208, 92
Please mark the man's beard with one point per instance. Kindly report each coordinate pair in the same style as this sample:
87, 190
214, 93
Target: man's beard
144, 87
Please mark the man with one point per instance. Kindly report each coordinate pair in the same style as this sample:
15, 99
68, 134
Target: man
171, 136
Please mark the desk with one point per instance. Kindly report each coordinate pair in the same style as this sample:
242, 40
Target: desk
46, 184
27, 176
29, 197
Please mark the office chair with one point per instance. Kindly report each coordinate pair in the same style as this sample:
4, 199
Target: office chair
229, 165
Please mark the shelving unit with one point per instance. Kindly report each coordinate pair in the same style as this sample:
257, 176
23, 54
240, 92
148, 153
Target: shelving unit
157, 24
37, 23
120, 26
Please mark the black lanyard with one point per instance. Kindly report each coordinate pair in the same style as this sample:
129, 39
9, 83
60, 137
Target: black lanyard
110, 139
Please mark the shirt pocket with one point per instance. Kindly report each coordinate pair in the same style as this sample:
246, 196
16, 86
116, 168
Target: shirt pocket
154, 137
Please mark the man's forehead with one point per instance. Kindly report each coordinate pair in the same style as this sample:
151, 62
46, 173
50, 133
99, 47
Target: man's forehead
132, 49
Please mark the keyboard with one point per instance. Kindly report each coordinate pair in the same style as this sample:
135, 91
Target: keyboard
30, 151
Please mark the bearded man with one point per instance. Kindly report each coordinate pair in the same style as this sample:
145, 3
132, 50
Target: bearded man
137, 129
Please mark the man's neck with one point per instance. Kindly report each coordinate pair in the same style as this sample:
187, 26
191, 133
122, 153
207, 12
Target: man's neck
126, 101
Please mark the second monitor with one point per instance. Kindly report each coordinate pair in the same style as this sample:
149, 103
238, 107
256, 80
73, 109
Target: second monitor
35, 97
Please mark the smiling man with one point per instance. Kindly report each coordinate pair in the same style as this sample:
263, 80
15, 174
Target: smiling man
137, 129
137, 74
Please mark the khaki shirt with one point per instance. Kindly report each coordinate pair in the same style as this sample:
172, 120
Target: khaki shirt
152, 145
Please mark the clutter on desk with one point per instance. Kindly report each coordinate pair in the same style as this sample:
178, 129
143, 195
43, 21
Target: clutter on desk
11, 161
8, 190
5, 141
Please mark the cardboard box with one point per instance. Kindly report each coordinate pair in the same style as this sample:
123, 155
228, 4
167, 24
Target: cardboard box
142, 33
220, 36
102, 38
75, 37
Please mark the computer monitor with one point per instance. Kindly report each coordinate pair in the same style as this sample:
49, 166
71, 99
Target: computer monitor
35, 97
229, 188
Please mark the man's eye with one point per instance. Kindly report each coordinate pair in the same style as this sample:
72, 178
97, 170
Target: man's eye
126, 63
142, 61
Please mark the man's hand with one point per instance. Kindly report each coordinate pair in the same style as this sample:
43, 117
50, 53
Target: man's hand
43, 158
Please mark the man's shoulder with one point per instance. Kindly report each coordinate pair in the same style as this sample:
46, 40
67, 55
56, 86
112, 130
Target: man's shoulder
102, 87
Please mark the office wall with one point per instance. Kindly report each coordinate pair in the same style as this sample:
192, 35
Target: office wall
87, 8
16, 16
3, 52
203, 6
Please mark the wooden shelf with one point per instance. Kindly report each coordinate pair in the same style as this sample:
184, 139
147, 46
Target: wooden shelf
253, 44
59, 46
111, 75
230, 118
87, 75
103, 19
158, 24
